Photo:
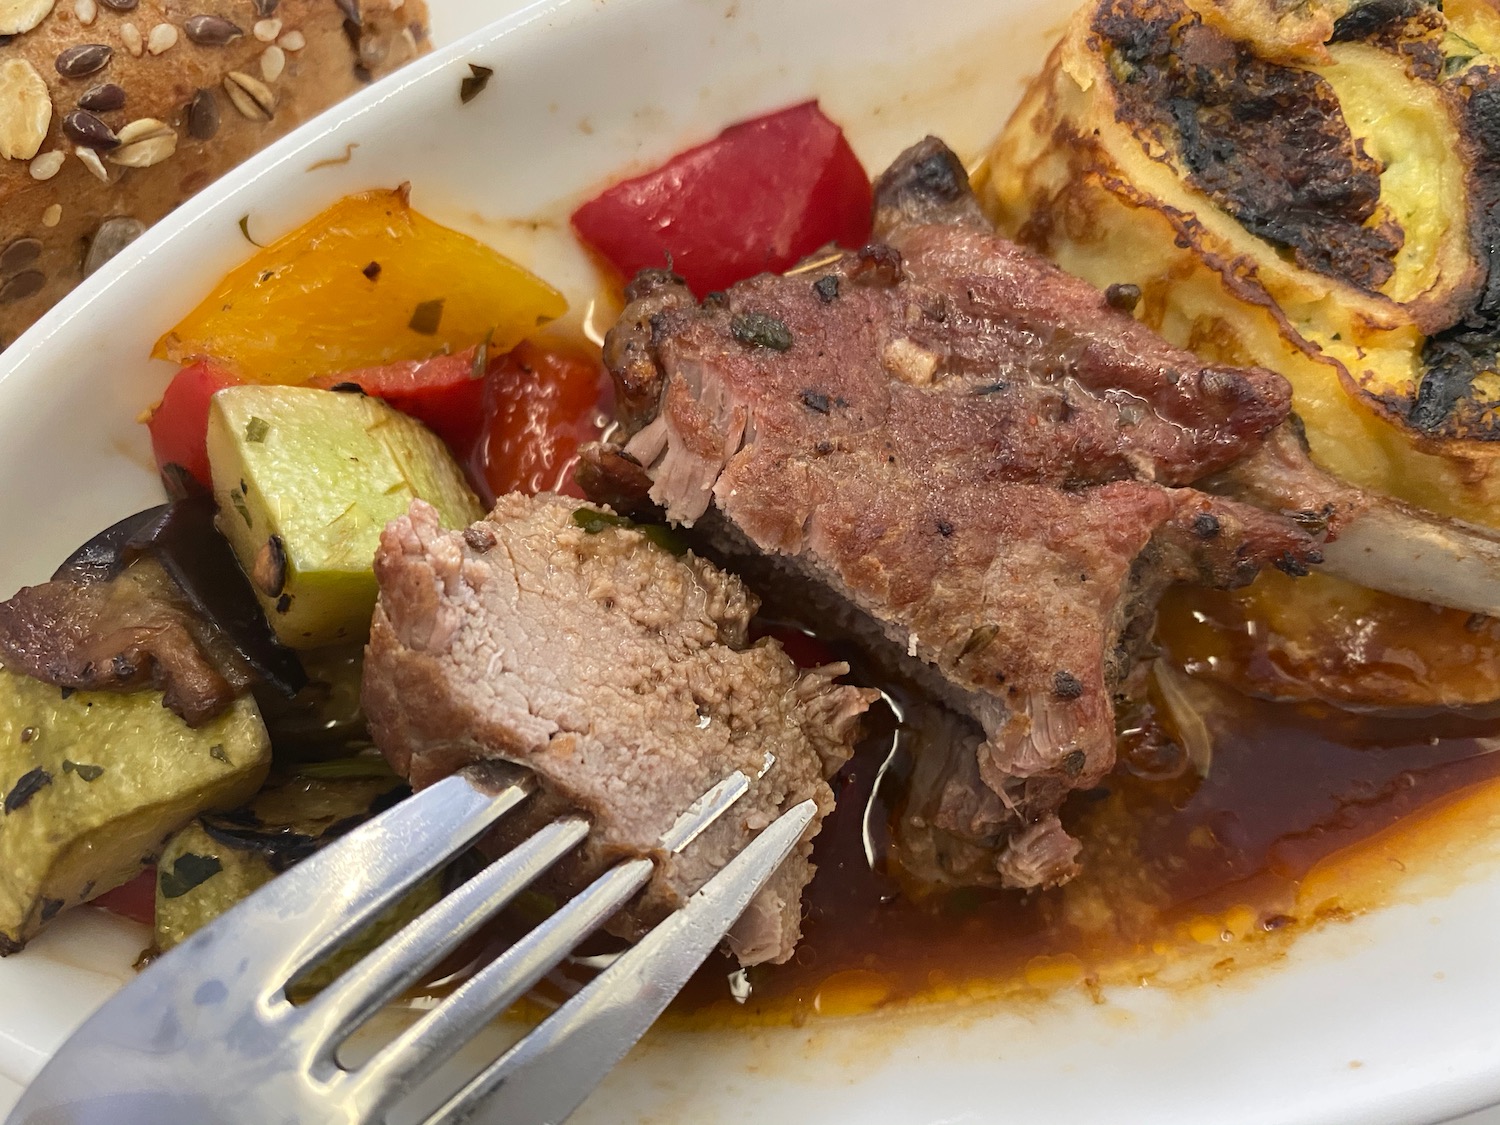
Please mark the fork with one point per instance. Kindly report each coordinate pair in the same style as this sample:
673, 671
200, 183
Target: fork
207, 1034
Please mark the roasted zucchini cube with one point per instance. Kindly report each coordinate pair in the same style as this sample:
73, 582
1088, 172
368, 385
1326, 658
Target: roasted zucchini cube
215, 862
306, 480
94, 782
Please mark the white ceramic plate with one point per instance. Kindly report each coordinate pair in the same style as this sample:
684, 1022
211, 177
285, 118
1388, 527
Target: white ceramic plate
1388, 1019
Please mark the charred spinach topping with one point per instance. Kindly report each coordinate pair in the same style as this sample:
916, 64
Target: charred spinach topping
760, 330
1267, 143
1449, 400
189, 871
84, 771
27, 786
1373, 17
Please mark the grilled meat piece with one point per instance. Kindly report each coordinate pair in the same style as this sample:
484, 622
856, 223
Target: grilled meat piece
957, 451
617, 672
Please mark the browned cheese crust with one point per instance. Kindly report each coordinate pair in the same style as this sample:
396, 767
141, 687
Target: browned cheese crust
975, 455
621, 675
180, 93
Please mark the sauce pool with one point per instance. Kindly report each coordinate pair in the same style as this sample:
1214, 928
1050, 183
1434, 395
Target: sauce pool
1171, 864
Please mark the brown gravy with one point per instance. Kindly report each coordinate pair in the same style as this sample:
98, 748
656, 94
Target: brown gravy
1173, 867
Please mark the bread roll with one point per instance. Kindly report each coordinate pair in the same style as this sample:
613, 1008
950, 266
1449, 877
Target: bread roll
1314, 188
112, 112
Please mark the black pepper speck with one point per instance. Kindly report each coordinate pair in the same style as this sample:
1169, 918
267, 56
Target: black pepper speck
1065, 685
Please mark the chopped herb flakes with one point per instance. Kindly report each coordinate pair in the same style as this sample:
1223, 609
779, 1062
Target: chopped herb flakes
979, 640
372, 271
189, 870
218, 753
245, 230
426, 317
338, 769
665, 538
759, 330
84, 771
241, 507
27, 786
817, 403
593, 522
256, 430
827, 289
482, 356
472, 86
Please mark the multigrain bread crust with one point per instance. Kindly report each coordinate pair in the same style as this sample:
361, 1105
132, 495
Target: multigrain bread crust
182, 91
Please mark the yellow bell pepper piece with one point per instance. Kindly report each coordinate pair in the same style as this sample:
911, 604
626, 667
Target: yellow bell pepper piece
367, 282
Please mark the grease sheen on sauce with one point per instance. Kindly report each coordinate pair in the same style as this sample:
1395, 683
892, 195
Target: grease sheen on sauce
1169, 865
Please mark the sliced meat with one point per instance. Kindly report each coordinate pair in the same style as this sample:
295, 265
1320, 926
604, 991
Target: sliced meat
951, 448
620, 674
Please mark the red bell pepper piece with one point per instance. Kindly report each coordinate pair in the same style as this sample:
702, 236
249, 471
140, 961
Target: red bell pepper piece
444, 392
135, 900
540, 405
179, 426
760, 196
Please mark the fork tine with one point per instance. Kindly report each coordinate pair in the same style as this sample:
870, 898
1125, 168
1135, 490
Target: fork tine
310, 910
401, 961
409, 1059
544, 1077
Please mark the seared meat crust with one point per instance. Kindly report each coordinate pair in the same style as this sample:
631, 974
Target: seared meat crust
971, 453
